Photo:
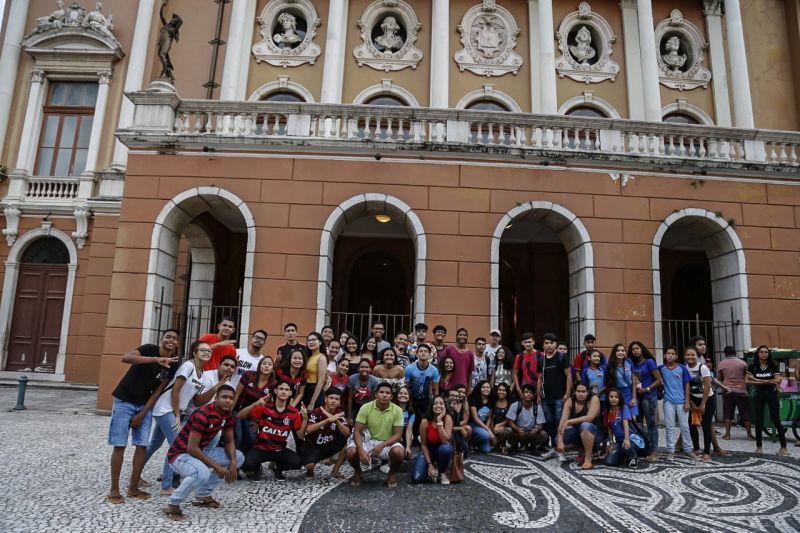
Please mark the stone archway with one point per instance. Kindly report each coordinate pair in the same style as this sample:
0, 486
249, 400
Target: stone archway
171, 222
580, 258
726, 261
352, 209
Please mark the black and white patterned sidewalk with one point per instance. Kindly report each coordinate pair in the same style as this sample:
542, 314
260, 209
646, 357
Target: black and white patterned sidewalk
54, 474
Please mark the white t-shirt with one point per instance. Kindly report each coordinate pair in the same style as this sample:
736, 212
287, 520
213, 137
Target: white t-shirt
491, 350
704, 372
208, 379
193, 385
245, 363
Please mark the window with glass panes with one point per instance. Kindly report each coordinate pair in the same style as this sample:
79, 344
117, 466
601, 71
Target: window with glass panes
66, 129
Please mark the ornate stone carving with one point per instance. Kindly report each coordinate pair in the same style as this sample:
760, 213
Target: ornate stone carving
623, 178
288, 29
585, 40
389, 30
681, 53
489, 36
76, 16
81, 232
11, 230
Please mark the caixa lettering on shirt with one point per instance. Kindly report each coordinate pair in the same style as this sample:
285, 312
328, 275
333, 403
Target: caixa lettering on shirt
276, 432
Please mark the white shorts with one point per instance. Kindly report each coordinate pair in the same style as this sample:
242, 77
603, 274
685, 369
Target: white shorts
370, 444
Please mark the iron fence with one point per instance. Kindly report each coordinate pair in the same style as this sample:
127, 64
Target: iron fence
360, 324
717, 334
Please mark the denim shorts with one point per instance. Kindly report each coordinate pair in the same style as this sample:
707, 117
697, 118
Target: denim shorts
121, 415
572, 435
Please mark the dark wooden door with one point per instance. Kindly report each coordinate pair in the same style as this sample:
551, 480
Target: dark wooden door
36, 323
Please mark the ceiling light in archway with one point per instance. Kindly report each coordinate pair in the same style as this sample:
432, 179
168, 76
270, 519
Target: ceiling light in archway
383, 219
508, 226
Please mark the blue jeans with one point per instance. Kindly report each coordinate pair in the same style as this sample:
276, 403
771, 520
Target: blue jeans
618, 453
243, 436
481, 438
647, 411
673, 411
196, 476
162, 430
441, 454
120, 428
552, 408
573, 435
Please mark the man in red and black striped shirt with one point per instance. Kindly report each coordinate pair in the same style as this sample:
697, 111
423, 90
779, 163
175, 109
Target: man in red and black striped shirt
200, 463
276, 420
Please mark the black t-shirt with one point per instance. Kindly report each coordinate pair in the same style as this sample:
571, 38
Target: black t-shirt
285, 350
766, 374
140, 381
554, 382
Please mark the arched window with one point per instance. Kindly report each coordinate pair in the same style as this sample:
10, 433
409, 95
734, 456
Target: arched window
386, 99
586, 111
677, 117
487, 105
283, 96
47, 250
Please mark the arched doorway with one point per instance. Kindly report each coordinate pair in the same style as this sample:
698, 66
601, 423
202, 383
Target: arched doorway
201, 264
372, 266
699, 282
36, 329
542, 276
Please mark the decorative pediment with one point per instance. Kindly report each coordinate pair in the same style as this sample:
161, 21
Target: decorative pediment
73, 40
585, 40
288, 29
489, 36
681, 54
389, 30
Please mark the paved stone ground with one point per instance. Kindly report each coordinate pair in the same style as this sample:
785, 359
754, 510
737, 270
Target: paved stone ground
54, 474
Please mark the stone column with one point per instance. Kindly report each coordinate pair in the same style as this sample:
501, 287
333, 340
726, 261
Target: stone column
533, 45
33, 124
9, 62
134, 77
333, 70
719, 71
547, 54
633, 59
238, 33
742, 100
440, 55
97, 121
647, 43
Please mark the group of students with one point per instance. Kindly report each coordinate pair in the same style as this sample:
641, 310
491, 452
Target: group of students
338, 399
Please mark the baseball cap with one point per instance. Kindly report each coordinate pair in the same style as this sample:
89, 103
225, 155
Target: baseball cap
495, 332
589, 337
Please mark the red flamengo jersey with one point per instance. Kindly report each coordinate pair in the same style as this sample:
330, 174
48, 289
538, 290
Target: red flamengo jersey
274, 426
207, 422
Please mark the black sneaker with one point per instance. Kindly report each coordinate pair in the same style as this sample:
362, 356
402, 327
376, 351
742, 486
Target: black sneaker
634, 463
278, 473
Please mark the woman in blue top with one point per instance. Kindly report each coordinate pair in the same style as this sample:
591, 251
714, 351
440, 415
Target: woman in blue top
480, 417
620, 376
648, 380
621, 431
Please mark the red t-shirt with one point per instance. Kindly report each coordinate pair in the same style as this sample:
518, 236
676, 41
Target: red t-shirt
464, 364
528, 363
207, 422
218, 352
274, 426
339, 383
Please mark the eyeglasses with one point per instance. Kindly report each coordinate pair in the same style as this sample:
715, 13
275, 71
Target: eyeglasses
205, 350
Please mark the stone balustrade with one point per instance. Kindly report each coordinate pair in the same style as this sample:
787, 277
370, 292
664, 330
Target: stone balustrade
56, 189
188, 124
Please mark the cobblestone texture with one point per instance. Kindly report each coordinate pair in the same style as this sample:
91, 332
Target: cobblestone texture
54, 475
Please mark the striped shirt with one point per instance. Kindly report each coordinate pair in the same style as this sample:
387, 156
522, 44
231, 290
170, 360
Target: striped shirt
252, 392
274, 426
206, 422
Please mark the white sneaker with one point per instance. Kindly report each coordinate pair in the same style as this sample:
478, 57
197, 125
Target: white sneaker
385, 469
562, 458
443, 479
549, 455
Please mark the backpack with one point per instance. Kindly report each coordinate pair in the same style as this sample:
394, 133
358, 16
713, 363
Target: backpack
696, 383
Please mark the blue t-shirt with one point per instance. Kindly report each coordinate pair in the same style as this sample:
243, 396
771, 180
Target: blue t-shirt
594, 380
645, 371
408, 418
624, 378
674, 383
417, 380
616, 425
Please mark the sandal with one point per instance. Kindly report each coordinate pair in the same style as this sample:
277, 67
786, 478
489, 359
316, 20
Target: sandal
207, 501
724, 453
172, 514
139, 495
116, 499
587, 466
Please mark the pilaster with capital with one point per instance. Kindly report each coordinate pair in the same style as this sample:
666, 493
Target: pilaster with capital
33, 123
647, 47
712, 9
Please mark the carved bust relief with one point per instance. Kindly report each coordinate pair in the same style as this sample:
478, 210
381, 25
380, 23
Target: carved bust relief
388, 32
681, 54
288, 28
585, 40
489, 36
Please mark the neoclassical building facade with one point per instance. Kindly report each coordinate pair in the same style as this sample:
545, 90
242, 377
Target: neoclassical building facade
627, 168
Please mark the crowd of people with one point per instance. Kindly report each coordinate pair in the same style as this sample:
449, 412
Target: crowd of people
375, 403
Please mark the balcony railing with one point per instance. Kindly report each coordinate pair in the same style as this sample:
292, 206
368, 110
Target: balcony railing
177, 123
55, 189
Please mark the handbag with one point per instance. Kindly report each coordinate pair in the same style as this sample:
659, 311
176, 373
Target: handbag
457, 468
